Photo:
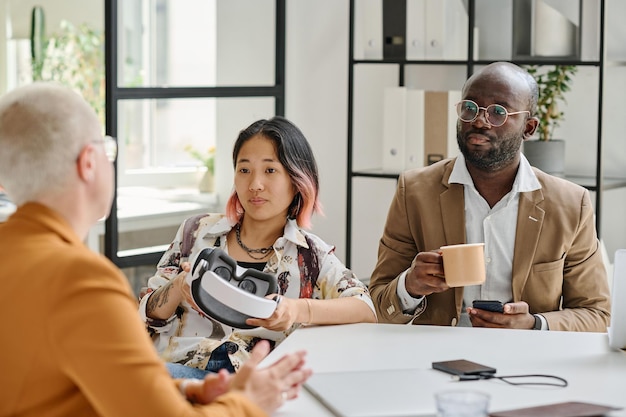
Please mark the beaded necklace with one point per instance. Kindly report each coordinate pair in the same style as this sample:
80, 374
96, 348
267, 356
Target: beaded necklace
263, 251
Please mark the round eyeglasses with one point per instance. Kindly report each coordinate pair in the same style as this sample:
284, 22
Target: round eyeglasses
110, 147
495, 114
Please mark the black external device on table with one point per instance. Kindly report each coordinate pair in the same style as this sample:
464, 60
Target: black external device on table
463, 367
489, 305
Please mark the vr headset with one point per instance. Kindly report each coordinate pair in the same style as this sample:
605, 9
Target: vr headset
229, 293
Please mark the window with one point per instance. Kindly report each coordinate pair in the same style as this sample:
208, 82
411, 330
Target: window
179, 75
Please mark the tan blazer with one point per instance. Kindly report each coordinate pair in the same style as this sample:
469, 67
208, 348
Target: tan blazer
557, 264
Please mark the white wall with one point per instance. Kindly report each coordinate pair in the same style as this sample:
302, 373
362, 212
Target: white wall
85, 11
316, 100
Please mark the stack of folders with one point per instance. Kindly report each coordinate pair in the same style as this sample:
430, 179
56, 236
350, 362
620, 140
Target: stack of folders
409, 142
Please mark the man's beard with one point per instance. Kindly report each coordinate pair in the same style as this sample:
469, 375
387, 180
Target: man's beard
499, 156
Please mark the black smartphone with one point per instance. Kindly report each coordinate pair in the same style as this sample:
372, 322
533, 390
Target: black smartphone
463, 367
489, 305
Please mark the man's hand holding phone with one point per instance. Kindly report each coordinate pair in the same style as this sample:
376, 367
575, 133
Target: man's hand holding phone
493, 313
489, 305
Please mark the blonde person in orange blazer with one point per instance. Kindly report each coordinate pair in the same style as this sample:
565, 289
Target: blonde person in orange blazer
74, 344
543, 257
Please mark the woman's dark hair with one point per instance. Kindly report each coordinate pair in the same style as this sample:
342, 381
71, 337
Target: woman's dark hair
296, 155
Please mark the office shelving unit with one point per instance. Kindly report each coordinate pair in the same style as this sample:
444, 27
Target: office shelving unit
596, 183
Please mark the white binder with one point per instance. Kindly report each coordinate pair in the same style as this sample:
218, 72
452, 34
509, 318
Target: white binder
394, 128
368, 39
617, 330
414, 140
415, 29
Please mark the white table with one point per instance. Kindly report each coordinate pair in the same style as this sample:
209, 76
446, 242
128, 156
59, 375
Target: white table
595, 372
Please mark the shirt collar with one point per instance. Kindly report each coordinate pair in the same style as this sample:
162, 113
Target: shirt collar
294, 234
221, 227
525, 180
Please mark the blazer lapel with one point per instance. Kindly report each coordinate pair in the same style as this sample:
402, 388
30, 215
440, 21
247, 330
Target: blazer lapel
452, 205
529, 222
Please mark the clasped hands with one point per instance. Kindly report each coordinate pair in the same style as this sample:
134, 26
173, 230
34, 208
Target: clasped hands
427, 276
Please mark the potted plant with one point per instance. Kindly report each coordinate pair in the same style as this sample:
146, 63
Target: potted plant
547, 153
208, 161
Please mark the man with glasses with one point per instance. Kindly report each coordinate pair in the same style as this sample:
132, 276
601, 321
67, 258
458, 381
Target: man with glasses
73, 343
542, 255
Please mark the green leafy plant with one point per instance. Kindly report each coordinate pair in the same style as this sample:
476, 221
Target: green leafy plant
207, 159
74, 57
552, 83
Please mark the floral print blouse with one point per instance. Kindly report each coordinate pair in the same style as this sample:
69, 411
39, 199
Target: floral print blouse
189, 337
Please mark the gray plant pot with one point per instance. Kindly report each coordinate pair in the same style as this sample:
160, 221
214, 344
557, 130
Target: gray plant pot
548, 156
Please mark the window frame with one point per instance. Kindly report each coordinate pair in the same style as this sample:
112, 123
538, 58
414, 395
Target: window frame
114, 94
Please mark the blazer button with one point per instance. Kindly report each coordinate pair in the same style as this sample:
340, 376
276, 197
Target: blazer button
453, 322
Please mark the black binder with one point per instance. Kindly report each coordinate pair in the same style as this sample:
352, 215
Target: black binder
394, 29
